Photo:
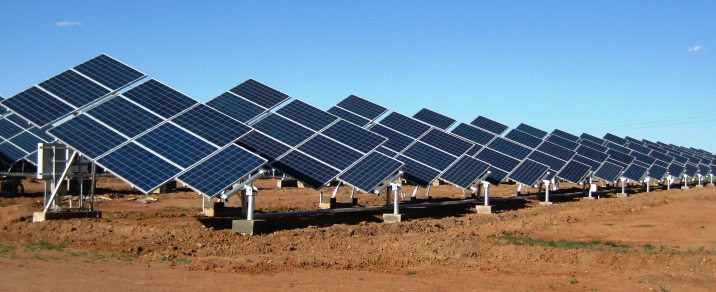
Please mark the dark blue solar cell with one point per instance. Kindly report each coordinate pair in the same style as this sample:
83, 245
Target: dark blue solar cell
574, 172
19, 121
703, 169
386, 151
362, 107
690, 169
434, 118
678, 158
473, 134
592, 164
595, 146
496, 176
310, 171
260, 94
565, 135
489, 125
556, 150
510, 148
124, 116
430, 156
74, 88
283, 129
497, 159
212, 125
635, 172
675, 169
472, 151
634, 141
236, 107
139, 167
370, 171
9, 154
356, 137
41, 134
160, 98
87, 136
464, 172
38, 106
307, 115
221, 170
620, 157
447, 142
528, 172
263, 145
330, 152
523, 138
615, 139
616, 147
348, 116
418, 173
177, 145
608, 171
396, 141
592, 154
657, 172
109, 72
554, 163
661, 163
26, 141
531, 130
405, 125
8, 129
562, 142
646, 159
586, 136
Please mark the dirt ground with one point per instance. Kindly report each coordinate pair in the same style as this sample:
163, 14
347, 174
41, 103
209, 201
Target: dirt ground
657, 241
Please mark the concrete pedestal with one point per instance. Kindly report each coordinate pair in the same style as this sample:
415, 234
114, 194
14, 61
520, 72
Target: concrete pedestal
249, 227
482, 209
545, 203
589, 198
709, 185
392, 217
685, 187
41, 217
330, 203
326, 203
622, 195
699, 186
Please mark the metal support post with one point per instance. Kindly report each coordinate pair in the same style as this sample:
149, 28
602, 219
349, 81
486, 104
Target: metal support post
335, 191
395, 216
486, 188
251, 191
546, 193
648, 180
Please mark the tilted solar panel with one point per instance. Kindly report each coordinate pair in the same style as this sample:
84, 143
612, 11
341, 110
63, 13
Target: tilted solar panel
141, 168
362, 107
330, 152
356, 137
592, 164
592, 154
396, 141
9, 154
446, 142
405, 125
638, 148
307, 115
19, 121
489, 125
42, 134
386, 151
269, 148
554, 163
430, 156
284, 130
615, 139
594, 139
523, 138
609, 171
87, 136
528, 172
38, 106
435, 119
556, 150
9, 129
620, 157
177, 145
635, 172
212, 125
260, 93
109, 72
124, 116
349, 116
532, 130
497, 159
26, 141
657, 172
595, 146
370, 171
159, 98
73, 88
616, 147
562, 142
675, 169
236, 107
646, 159
574, 172
634, 141
565, 135
464, 171
418, 173
510, 148
474, 149
308, 170
473, 133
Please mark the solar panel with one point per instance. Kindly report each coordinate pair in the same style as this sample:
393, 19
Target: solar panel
592, 164
212, 125
489, 125
269, 148
446, 142
473, 133
510, 148
236, 107
616, 147
260, 94
531, 130
475, 148
310, 171
635, 172
396, 141
497, 159
41, 134
555, 150
562, 142
429, 156
620, 158
74, 88
307, 115
639, 148
661, 163
634, 141
348, 116
657, 172
124, 116
574, 172
283, 129
19, 121
464, 171
648, 160
528, 172
586, 136
554, 163
221, 170
177, 145
703, 169
109, 72
356, 137
362, 107
678, 158
435, 119
8, 129
690, 169
418, 173
565, 135
38, 106
523, 138
496, 176
87, 136
675, 169
26, 141
9, 154
595, 146
160, 98
608, 171
141, 168
386, 151
330, 152
592, 154
405, 125
370, 171
615, 139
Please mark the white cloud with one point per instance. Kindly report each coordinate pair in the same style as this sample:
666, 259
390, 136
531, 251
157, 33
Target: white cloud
68, 23
695, 48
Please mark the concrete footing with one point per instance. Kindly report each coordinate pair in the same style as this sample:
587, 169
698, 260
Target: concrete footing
685, 187
390, 217
588, 198
482, 209
218, 209
330, 203
709, 185
622, 195
41, 217
414, 199
545, 203
699, 186
250, 227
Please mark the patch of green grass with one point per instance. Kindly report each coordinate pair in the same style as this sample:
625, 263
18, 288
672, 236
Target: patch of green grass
77, 253
573, 281
648, 247
6, 248
125, 257
42, 245
662, 288
410, 273
184, 261
564, 244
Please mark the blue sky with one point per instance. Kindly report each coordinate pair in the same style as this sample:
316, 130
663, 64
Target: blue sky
645, 69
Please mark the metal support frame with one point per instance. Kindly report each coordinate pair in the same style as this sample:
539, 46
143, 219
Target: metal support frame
58, 181
335, 191
546, 191
396, 197
238, 188
249, 193
648, 183
486, 189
